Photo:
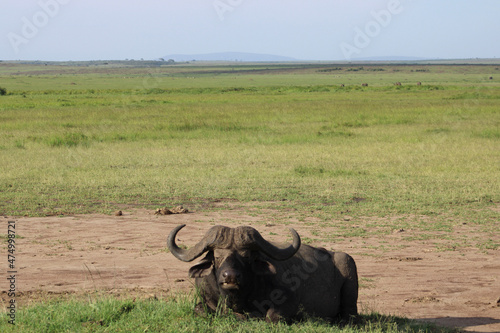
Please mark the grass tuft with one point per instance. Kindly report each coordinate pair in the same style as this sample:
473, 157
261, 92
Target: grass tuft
68, 140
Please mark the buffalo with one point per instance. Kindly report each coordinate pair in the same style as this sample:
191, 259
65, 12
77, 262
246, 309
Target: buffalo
256, 278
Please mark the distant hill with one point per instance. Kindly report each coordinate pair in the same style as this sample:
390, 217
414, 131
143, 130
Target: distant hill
390, 58
227, 56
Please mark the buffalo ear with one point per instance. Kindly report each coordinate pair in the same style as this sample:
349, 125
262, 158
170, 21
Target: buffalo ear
203, 268
263, 267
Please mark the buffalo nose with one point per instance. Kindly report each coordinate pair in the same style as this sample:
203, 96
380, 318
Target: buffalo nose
231, 275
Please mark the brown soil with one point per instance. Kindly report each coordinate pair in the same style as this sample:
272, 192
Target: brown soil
127, 254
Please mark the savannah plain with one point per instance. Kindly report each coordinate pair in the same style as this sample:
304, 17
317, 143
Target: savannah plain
405, 178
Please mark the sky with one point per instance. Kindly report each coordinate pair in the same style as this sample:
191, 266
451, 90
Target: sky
61, 30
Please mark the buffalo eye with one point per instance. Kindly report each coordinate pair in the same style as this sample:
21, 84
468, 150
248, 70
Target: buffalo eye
217, 261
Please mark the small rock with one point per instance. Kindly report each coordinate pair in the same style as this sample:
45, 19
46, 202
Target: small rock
163, 211
347, 218
175, 210
179, 210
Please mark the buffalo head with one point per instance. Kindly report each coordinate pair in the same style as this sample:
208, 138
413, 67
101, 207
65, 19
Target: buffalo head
233, 255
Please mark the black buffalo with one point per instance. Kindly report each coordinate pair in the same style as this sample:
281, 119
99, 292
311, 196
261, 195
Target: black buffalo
256, 278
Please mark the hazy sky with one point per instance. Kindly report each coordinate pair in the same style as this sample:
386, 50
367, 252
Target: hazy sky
302, 29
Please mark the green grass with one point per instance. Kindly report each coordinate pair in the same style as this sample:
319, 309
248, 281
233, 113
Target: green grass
409, 151
286, 134
109, 314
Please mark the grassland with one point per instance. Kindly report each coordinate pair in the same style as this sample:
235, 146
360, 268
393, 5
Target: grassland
83, 139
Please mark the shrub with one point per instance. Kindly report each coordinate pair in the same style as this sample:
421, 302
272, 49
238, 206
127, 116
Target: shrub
3, 91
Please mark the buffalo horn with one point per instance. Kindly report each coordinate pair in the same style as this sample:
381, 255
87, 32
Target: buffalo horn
222, 237
275, 252
197, 250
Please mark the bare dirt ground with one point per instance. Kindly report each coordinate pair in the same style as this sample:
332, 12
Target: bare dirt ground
127, 254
